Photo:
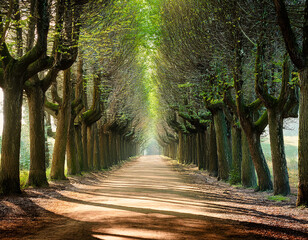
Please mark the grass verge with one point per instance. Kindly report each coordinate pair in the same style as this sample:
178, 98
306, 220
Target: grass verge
278, 198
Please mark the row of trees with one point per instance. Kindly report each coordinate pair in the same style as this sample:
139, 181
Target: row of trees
225, 73
77, 60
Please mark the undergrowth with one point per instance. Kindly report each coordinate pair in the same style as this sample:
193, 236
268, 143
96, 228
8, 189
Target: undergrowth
278, 198
24, 174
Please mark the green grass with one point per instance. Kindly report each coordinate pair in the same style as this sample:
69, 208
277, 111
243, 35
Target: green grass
291, 155
24, 174
290, 150
278, 198
48, 173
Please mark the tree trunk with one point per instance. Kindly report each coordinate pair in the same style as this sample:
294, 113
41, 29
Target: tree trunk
124, 156
223, 147
263, 173
47, 153
73, 167
175, 150
199, 149
193, 146
84, 147
37, 173
302, 196
90, 143
213, 159
64, 116
107, 151
111, 148
103, 148
280, 171
78, 139
118, 147
96, 157
248, 174
181, 147
12, 103
188, 151
205, 149
236, 155
186, 148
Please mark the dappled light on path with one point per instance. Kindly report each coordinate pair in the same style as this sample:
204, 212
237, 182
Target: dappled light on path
145, 199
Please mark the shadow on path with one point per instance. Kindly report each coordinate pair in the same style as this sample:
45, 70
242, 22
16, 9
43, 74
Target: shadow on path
145, 199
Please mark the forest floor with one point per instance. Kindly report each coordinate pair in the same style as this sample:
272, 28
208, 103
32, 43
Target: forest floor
149, 198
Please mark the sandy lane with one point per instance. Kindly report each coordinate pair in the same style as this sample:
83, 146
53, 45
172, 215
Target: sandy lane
146, 199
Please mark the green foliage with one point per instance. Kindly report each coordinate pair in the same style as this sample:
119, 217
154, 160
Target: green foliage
278, 198
48, 173
24, 162
24, 175
24, 155
186, 85
292, 161
234, 177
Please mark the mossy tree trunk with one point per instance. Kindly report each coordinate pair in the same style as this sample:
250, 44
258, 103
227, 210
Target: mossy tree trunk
302, 197
88, 118
223, 146
199, 146
277, 109
78, 139
13, 74
111, 148
102, 148
213, 158
90, 149
236, 154
73, 166
264, 177
12, 103
299, 57
181, 147
36, 96
280, 171
37, 173
248, 176
251, 128
84, 147
64, 117
96, 155
205, 149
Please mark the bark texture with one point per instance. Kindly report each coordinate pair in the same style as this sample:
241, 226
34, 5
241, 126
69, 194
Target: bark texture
302, 197
223, 147
213, 159
248, 175
12, 103
37, 173
280, 170
64, 116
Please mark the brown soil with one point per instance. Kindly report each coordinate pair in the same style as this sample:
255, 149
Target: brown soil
147, 199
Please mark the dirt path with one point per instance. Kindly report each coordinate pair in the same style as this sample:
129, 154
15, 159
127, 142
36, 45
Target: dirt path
146, 199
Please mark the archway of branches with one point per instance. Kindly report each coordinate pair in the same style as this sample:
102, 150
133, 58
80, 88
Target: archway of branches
198, 81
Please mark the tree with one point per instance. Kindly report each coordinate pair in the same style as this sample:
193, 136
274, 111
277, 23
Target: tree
15, 72
298, 55
64, 53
